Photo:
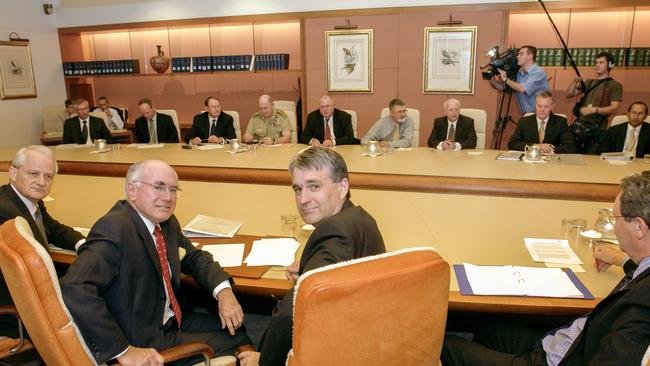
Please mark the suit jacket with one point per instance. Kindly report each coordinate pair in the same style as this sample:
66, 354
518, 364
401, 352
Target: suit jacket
201, 127
165, 127
58, 234
351, 233
614, 139
115, 289
557, 134
617, 330
96, 128
465, 133
342, 123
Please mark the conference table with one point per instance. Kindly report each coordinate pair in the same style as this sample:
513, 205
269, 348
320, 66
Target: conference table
469, 206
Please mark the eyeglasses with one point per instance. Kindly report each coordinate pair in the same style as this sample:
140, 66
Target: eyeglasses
161, 187
612, 218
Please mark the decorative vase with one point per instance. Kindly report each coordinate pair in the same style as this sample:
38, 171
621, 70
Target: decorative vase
160, 63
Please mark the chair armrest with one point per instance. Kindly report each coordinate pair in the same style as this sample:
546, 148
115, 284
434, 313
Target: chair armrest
11, 346
186, 350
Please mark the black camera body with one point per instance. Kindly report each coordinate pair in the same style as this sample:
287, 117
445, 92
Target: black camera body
506, 61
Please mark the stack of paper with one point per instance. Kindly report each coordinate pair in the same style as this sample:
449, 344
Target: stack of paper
554, 253
228, 255
208, 226
510, 155
273, 252
519, 281
146, 146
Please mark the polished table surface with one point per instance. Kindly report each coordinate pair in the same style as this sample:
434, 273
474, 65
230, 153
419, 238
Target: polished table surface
475, 172
462, 228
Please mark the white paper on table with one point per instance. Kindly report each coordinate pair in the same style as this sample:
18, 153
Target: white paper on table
576, 268
66, 146
551, 251
404, 149
228, 255
372, 155
272, 252
208, 226
520, 281
492, 280
146, 146
210, 147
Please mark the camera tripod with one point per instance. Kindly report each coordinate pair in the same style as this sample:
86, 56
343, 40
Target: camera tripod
504, 118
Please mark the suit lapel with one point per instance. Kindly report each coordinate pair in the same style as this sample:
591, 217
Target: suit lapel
644, 135
172, 253
24, 213
145, 238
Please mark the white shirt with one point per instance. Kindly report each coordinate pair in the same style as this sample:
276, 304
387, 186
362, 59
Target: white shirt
456, 144
89, 141
116, 119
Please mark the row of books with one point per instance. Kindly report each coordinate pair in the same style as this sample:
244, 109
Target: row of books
113, 67
586, 56
211, 63
276, 61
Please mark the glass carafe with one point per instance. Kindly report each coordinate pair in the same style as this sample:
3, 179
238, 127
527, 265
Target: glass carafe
604, 223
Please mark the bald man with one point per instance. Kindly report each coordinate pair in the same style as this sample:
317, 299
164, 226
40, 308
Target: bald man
453, 131
270, 125
328, 126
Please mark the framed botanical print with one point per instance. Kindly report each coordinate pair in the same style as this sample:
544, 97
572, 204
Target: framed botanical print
349, 60
449, 54
16, 72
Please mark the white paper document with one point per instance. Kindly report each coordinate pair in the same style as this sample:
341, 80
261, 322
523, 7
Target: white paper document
520, 281
208, 226
551, 251
273, 252
146, 146
228, 255
210, 147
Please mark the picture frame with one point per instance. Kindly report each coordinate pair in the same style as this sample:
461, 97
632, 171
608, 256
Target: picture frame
349, 61
16, 70
449, 58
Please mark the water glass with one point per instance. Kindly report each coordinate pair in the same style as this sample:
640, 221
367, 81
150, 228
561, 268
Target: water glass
572, 227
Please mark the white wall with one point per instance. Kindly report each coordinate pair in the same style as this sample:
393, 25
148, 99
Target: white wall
20, 119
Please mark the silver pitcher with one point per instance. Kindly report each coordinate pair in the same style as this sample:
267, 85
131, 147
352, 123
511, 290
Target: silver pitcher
100, 144
532, 153
372, 147
235, 145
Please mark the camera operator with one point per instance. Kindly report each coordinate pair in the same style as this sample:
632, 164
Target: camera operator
531, 79
601, 99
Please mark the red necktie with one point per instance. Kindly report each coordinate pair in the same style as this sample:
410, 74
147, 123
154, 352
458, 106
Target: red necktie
327, 134
164, 266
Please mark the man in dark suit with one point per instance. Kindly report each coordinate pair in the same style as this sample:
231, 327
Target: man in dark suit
453, 131
84, 128
213, 126
153, 127
123, 290
615, 332
632, 136
544, 128
339, 126
343, 232
31, 175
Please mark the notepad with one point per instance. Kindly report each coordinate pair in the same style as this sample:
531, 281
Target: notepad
228, 255
551, 251
519, 281
209, 147
272, 252
510, 156
208, 226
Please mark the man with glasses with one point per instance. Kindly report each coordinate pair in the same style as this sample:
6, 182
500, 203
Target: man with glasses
394, 130
123, 290
31, 175
633, 136
615, 332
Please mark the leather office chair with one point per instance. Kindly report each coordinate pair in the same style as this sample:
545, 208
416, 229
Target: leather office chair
388, 309
235, 123
11, 346
353, 115
415, 116
34, 287
480, 119
172, 113
531, 113
102, 115
290, 108
622, 118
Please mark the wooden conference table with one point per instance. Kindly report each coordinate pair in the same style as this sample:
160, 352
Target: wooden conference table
471, 208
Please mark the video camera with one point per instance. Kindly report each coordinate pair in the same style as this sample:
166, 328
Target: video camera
506, 61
